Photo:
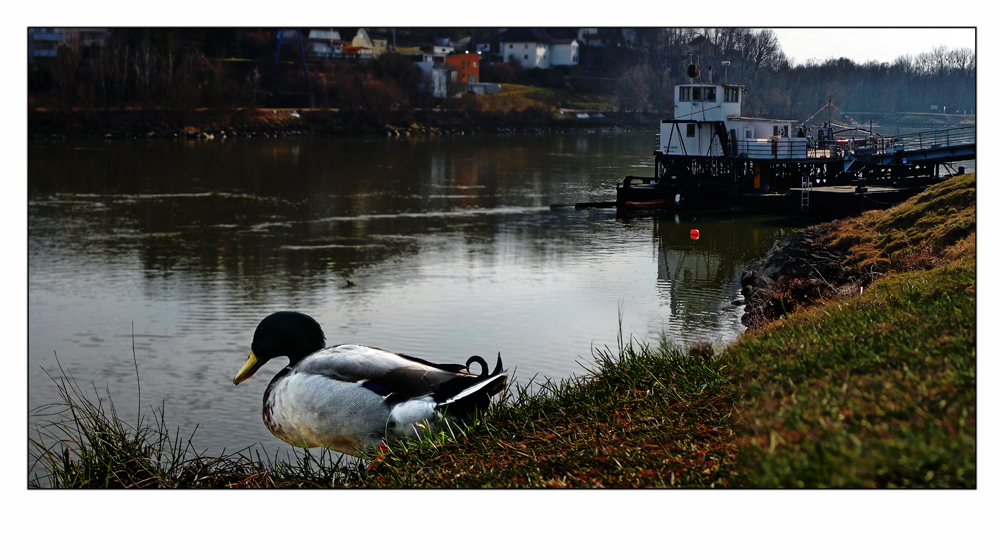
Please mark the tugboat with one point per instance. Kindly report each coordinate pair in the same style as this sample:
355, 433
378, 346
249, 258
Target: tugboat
712, 156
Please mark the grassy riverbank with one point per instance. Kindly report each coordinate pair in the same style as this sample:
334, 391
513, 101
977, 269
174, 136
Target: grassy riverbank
878, 388
869, 386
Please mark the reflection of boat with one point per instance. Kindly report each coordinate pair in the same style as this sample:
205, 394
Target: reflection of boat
710, 155
697, 282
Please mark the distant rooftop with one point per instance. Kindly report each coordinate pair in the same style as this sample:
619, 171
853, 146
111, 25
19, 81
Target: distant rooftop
524, 35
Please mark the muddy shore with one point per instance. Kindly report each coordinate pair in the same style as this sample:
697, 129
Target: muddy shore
215, 124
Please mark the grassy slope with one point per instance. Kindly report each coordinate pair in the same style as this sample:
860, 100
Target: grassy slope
878, 389
649, 418
874, 391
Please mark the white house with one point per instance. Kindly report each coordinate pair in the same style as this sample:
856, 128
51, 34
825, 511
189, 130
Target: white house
565, 48
324, 43
535, 48
437, 74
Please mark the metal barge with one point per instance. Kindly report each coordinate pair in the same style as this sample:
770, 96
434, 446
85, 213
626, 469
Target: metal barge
710, 156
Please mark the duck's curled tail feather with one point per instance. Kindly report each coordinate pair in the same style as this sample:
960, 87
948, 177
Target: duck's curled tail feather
465, 394
485, 367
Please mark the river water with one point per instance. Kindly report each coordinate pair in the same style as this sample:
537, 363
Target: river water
163, 255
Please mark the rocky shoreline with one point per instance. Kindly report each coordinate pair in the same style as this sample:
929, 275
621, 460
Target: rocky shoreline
794, 272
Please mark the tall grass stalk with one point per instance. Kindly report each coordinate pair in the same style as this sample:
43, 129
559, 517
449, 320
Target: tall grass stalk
82, 442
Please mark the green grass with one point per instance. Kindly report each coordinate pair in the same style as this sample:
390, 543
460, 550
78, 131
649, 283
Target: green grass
874, 391
648, 417
644, 418
83, 444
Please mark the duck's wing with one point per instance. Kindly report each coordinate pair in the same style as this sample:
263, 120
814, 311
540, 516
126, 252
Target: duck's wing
381, 371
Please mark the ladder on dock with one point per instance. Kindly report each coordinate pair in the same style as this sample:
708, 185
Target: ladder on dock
806, 189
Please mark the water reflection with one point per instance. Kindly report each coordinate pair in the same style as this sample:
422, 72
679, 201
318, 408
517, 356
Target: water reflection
698, 278
180, 248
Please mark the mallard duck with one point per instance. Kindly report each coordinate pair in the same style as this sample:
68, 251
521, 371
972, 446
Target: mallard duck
352, 398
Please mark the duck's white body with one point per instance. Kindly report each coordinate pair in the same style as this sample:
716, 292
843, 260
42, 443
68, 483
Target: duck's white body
323, 401
350, 398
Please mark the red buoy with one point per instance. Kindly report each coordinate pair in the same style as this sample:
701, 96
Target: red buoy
695, 233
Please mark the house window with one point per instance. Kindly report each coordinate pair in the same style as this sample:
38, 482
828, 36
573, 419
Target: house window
525, 56
690, 130
685, 94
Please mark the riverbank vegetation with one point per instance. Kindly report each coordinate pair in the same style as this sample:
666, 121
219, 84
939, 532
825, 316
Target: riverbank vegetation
872, 386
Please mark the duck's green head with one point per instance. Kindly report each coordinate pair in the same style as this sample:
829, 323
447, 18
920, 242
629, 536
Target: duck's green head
290, 334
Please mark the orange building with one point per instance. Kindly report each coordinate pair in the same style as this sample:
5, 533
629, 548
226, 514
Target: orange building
467, 66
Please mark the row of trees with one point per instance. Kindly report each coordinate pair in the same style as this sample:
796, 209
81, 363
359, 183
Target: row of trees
188, 68
913, 83
183, 68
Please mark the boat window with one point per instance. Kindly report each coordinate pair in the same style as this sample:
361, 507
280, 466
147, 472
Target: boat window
695, 93
708, 93
732, 95
690, 130
685, 93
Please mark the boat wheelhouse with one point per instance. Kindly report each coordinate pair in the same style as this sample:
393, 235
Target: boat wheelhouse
708, 120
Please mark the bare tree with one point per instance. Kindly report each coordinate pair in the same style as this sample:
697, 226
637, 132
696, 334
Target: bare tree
633, 91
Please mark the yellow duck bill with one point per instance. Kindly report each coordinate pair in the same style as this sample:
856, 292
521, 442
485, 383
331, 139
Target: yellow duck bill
251, 366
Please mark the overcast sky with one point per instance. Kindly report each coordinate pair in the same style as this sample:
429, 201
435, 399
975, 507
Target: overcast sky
864, 44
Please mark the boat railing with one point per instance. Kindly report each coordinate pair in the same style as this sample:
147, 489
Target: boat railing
796, 148
787, 148
909, 143
949, 137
